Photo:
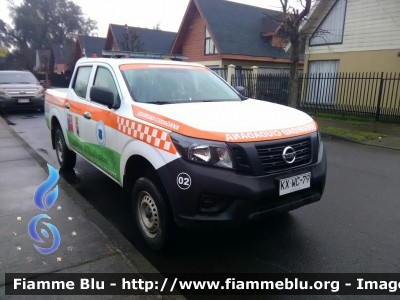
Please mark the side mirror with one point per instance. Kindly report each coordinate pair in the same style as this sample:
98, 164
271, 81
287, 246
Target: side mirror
102, 95
241, 90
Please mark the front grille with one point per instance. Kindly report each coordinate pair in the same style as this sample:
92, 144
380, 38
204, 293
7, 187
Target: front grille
271, 154
21, 93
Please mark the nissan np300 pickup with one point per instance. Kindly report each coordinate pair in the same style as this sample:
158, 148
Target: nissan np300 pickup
187, 146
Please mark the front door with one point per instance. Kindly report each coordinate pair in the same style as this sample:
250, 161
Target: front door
100, 122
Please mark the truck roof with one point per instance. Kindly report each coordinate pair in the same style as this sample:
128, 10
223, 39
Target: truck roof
124, 61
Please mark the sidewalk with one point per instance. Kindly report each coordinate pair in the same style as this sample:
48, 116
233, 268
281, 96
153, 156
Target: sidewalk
86, 246
389, 133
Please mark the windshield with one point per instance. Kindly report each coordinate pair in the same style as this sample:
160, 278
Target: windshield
163, 84
17, 77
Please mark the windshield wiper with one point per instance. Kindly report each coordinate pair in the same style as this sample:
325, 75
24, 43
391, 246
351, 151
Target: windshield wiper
216, 100
159, 102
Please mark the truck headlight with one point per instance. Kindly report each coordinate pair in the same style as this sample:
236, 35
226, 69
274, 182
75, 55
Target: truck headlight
205, 152
40, 91
319, 139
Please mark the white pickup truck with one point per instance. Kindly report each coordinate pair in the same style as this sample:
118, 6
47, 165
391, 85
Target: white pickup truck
187, 147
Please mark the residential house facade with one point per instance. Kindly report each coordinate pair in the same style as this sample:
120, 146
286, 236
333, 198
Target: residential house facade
353, 36
135, 39
218, 33
61, 59
352, 57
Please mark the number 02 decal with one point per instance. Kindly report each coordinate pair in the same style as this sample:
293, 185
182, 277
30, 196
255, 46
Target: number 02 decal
184, 181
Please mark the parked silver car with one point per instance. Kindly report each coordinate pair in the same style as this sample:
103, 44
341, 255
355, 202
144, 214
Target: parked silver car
20, 90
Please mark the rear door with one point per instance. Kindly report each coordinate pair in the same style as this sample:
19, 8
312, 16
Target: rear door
75, 106
100, 134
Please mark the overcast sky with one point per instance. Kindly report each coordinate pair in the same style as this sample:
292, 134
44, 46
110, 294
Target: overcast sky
139, 13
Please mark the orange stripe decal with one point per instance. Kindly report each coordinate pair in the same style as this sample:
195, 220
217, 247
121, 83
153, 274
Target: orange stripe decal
252, 136
146, 133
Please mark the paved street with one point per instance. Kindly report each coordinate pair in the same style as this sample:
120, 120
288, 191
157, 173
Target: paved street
354, 228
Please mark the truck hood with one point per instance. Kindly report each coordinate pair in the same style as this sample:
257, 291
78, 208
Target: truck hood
239, 121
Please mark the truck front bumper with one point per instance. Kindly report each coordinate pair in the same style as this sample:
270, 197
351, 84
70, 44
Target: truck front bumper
219, 198
8, 103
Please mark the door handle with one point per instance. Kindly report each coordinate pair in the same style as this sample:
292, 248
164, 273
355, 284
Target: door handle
87, 115
67, 106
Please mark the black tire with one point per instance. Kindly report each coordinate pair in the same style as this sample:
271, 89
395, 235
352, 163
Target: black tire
66, 158
153, 218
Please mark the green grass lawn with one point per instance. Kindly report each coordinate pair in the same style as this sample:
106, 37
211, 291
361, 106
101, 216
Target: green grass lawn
343, 119
360, 136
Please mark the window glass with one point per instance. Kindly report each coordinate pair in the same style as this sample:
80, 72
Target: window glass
209, 47
17, 77
321, 84
82, 80
330, 31
105, 79
169, 84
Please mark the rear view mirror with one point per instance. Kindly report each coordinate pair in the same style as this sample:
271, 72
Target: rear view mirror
102, 95
241, 90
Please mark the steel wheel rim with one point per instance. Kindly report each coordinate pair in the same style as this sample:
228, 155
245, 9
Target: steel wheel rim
60, 149
148, 215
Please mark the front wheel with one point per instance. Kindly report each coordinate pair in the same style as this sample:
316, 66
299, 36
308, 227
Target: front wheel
66, 158
151, 213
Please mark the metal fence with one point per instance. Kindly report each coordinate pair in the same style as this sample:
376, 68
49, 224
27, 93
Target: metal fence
56, 80
239, 72
374, 95
223, 72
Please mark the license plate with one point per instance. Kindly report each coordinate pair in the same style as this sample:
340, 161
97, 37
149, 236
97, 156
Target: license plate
295, 183
23, 100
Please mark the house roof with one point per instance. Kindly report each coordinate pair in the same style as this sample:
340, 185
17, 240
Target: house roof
61, 55
155, 41
236, 28
40, 58
92, 45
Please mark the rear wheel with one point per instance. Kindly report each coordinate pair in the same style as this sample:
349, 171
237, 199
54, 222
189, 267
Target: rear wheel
66, 158
151, 213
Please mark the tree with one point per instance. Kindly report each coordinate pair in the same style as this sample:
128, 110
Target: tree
292, 19
131, 41
40, 23
70, 50
3, 34
157, 26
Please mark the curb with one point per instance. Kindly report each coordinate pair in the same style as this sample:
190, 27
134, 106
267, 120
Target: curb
115, 239
337, 137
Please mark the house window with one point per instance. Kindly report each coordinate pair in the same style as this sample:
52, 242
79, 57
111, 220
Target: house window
209, 45
321, 82
331, 29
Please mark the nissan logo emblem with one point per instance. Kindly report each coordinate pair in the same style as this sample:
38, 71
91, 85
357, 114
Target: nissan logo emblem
289, 155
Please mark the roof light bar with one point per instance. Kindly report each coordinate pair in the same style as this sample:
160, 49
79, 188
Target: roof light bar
126, 54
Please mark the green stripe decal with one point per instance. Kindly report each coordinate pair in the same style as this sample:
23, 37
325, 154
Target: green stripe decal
105, 158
